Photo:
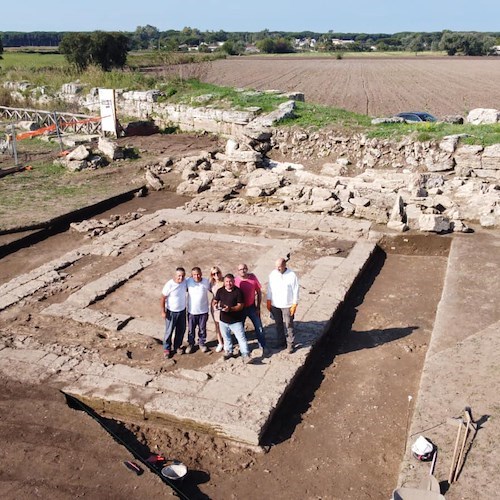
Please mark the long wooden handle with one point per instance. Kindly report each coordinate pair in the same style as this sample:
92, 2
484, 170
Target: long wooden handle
452, 468
461, 455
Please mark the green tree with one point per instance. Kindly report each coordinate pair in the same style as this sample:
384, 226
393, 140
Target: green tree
233, 48
145, 37
283, 46
1, 47
469, 44
266, 45
416, 44
450, 42
107, 50
76, 47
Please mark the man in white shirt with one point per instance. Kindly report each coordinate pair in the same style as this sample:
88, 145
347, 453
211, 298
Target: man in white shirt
173, 310
197, 289
282, 300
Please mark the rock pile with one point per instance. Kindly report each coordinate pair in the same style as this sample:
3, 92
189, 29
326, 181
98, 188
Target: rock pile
84, 157
438, 187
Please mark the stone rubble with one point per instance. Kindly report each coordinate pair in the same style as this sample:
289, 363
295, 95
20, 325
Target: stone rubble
377, 171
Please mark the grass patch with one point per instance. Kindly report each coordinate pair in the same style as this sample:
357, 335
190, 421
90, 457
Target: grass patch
32, 60
46, 186
317, 116
485, 135
143, 59
195, 93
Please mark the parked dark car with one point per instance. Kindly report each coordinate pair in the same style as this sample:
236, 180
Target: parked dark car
417, 116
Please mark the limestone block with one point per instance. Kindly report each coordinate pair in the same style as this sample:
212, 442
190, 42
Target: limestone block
488, 220
240, 156
286, 110
359, 201
153, 181
268, 182
176, 384
491, 157
292, 192
143, 327
319, 206
75, 165
320, 194
310, 179
189, 188
30, 356
27, 125
397, 226
334, 169
223, 185
434, 223
254, 192
449, 143
231, 146
467, 158
486, 174
79, 153
439, 161
127, 374
110, 149
443, 201
398, 210
480, 116
373, 213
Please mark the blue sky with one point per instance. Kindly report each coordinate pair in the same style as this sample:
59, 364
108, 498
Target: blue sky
368, 16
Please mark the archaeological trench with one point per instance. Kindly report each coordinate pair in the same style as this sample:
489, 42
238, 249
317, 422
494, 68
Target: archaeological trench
332, 201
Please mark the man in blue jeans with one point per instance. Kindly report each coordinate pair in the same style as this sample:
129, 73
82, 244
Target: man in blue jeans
173, 311
250, 286
197, 290
229, 300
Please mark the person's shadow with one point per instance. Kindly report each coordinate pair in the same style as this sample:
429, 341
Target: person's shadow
328, 339
185, 488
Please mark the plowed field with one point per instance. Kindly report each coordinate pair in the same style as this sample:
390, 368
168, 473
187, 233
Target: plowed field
372, 86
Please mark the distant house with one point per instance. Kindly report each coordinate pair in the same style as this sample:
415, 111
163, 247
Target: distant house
495, 50
251, 49
305, 43
338, 41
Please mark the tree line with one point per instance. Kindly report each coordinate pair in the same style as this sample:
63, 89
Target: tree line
109, 50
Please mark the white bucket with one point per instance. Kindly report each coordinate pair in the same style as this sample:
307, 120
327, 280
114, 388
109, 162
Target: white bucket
174, 471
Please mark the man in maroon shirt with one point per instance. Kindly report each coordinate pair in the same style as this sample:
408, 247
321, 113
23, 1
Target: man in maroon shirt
252, 295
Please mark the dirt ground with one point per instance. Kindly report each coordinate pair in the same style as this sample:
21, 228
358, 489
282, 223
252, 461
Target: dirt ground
30, 197
371, 86
340, 433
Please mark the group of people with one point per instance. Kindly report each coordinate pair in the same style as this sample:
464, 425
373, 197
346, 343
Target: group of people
233, 299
